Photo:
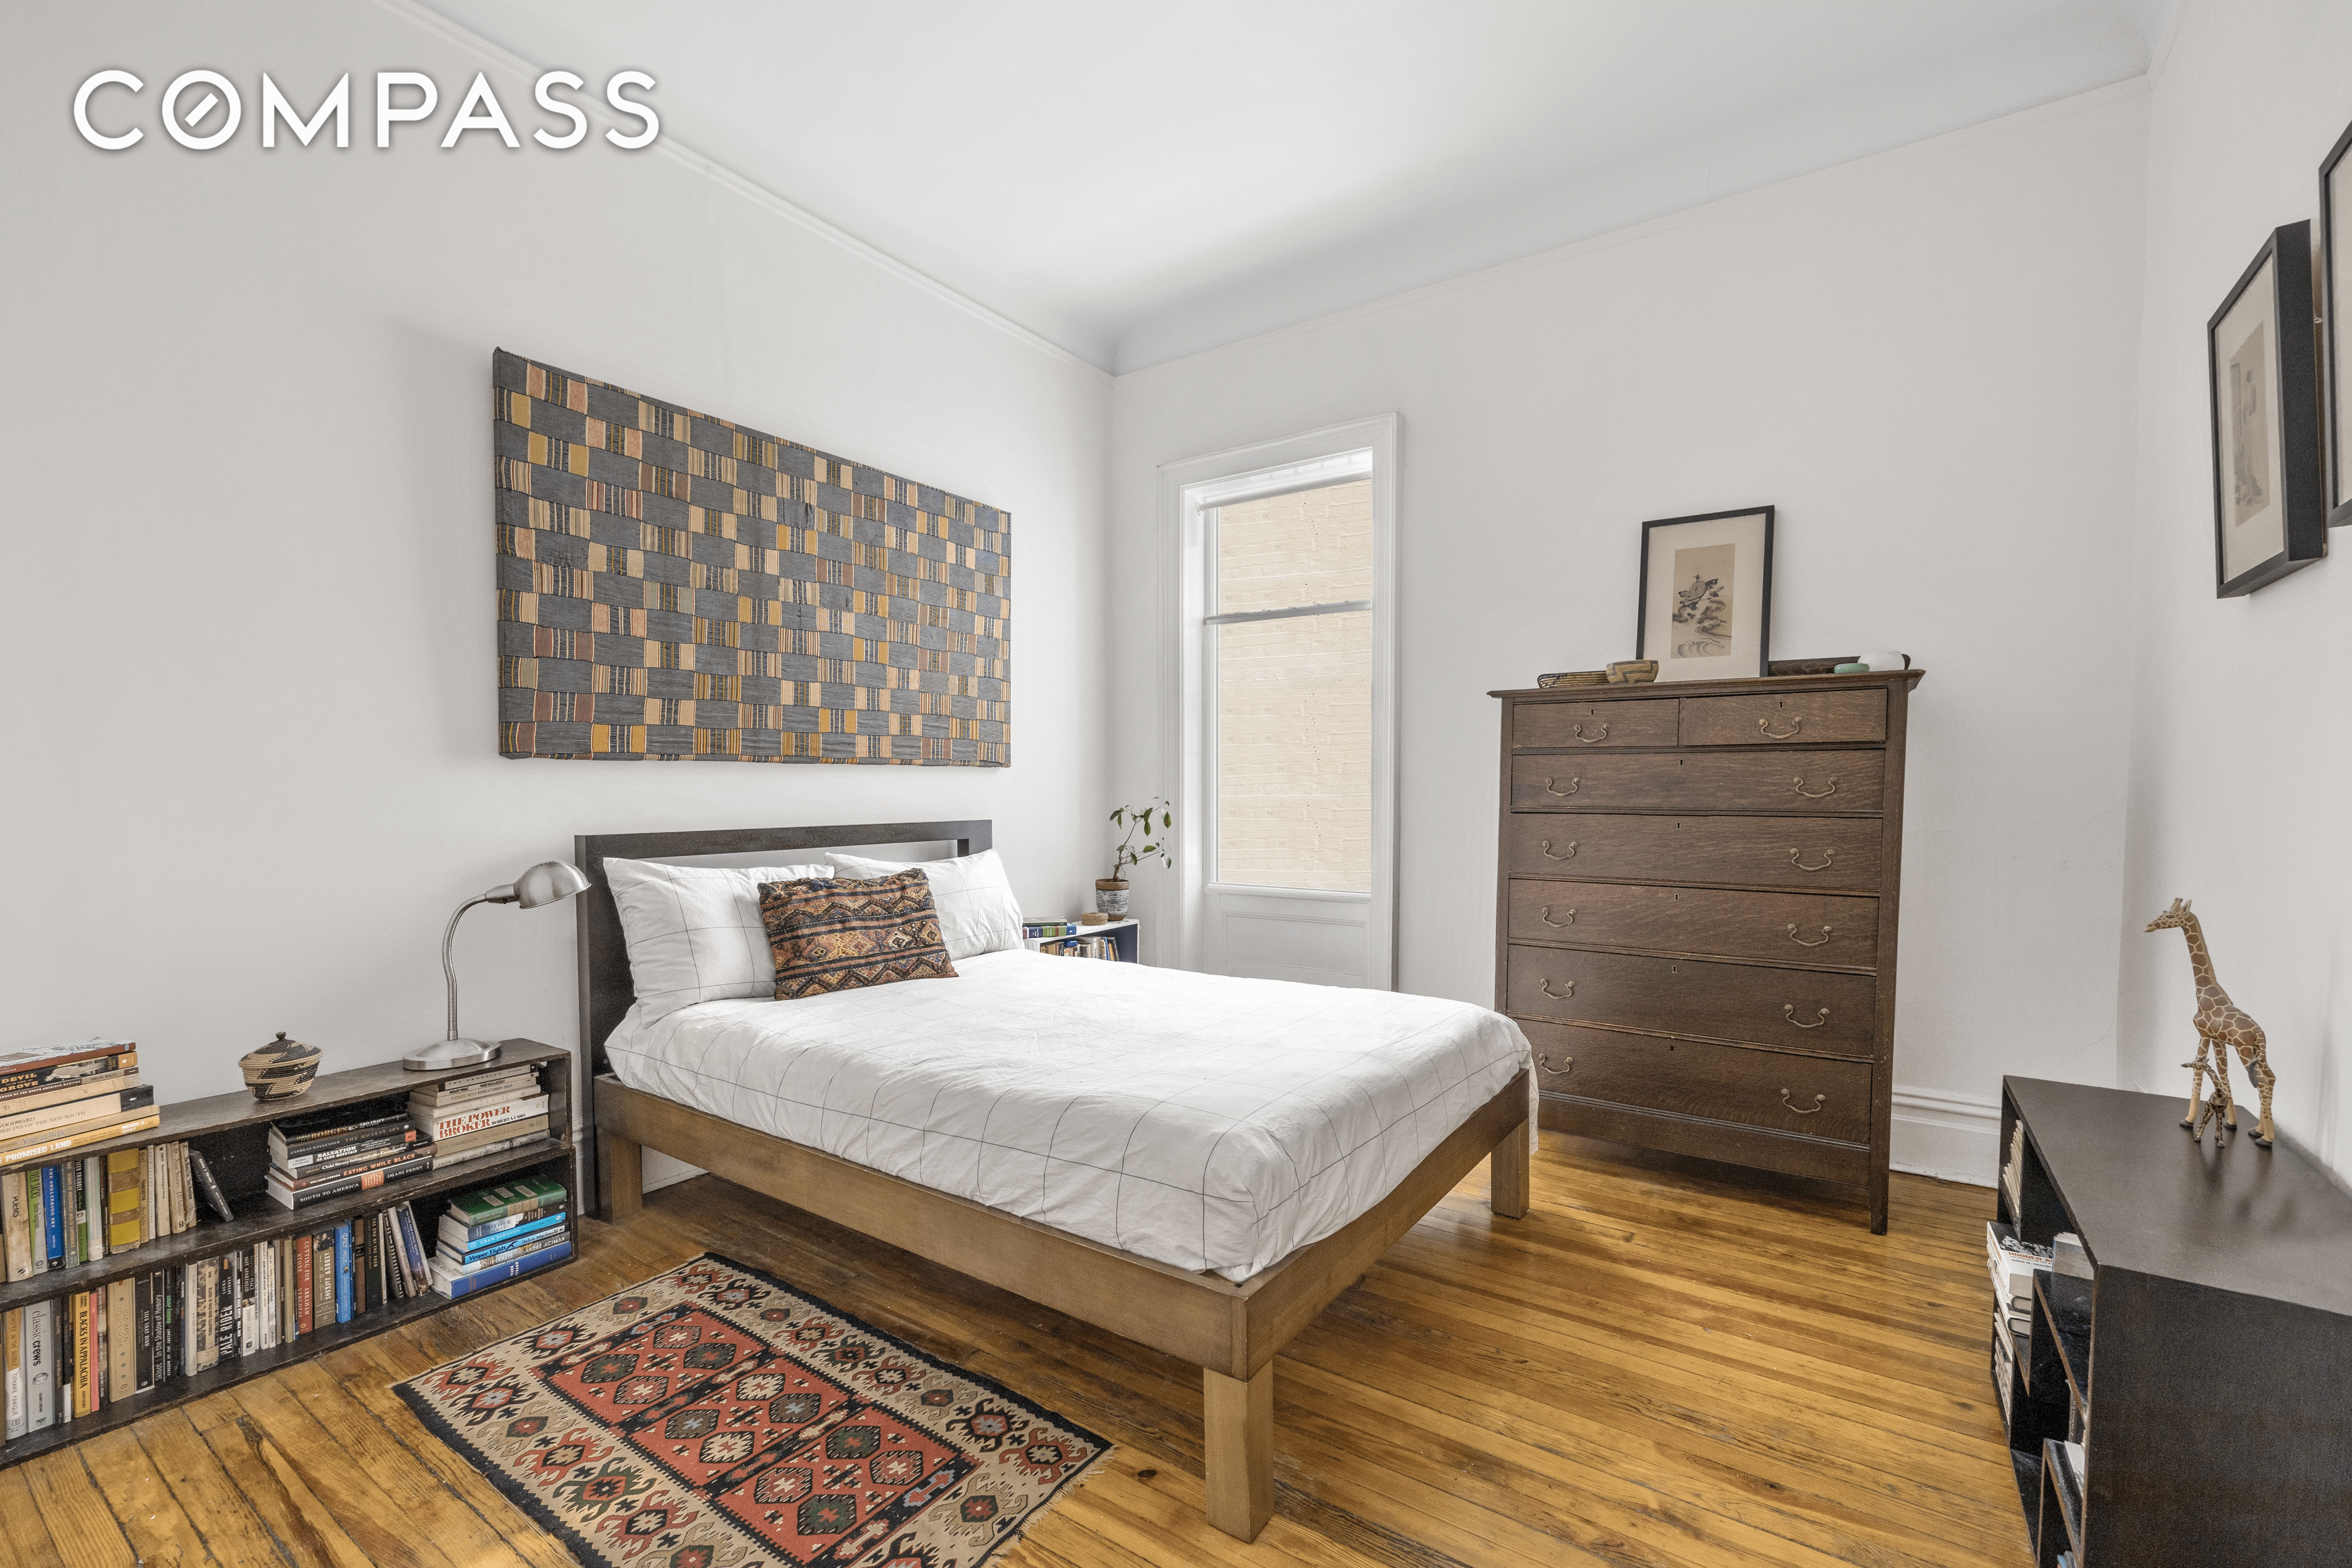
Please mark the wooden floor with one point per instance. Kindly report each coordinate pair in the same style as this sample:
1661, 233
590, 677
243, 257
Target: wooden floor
1653, 1368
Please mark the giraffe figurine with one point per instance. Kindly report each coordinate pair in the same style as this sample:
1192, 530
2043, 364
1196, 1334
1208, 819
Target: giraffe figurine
2222, 1026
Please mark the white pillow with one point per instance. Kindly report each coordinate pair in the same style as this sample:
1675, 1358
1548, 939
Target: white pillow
978, 912
694, 932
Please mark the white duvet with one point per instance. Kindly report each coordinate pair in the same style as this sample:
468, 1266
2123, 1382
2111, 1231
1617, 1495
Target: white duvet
1209, 1122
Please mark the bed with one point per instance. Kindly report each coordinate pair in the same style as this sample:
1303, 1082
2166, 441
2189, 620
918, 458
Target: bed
1196, 1163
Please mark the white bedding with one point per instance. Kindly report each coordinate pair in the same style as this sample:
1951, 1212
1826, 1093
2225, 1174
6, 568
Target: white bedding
1208, 1122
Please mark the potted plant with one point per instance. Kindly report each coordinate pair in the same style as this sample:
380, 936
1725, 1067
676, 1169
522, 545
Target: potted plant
1111, 891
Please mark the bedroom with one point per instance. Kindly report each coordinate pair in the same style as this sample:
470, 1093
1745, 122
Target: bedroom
1934, 287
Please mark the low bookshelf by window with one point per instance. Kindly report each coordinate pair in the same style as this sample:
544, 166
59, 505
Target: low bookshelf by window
1112, 939
2174, 1386
268, 1233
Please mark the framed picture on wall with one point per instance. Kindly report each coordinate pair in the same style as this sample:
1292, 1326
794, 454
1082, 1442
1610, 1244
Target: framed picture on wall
1705, 606
2269, 516
2335, 295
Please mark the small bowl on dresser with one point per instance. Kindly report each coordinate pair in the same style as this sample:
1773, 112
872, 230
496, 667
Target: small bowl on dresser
280, 1069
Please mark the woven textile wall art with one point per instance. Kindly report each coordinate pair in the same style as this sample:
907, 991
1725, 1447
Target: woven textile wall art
675, 586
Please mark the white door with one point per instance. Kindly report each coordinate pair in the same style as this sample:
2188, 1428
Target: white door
1291, 868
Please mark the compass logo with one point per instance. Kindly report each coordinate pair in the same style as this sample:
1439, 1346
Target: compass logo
202, 110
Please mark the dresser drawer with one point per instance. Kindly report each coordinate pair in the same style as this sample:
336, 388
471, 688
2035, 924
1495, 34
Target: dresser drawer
1701, 782
1808, 852
1801, 1009
1796, 928
1798, 717
1811, 1096
1642, 721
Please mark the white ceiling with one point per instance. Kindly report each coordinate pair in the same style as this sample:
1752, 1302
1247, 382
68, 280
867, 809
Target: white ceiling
1139, 182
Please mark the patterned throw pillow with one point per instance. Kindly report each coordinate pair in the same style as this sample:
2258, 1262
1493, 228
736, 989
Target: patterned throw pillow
834, 935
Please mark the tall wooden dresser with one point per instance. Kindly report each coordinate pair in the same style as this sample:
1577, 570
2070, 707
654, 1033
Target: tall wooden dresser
1695, 915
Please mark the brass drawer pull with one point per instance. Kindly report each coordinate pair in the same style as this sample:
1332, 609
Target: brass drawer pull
1591, 740
1819, 1101
1571, 918
1789, 1011
1796, 722
1545, 845
1801, 941
1544, 985
1544, 1062
1575, 784
1829, 858
1816, 793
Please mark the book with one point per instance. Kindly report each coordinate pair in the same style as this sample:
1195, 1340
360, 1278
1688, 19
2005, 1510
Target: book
323, 1283
126, 1199
454, 1286
343, 1302
303, 1181
476, 1118
373, 1292
85, 1341
203, 1316
122, 1338
15, 1225
412, 1251
290, 1136
40, 1366
65, 1141
12, 1367
304, 1304
142, 1350
201, 1175
530, 1244
53, 1216
93, 1208
315, 1157
65, 1091
73, 1114
327, 1187
226, 1291
495, 1202
40, 1066
501, 1139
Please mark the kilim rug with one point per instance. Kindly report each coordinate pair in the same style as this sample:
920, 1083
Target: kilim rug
716, 1417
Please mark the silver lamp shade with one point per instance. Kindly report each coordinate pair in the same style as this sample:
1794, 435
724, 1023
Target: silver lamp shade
549, 882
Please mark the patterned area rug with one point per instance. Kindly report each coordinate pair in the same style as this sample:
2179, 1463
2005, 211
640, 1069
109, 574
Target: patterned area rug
716, 1417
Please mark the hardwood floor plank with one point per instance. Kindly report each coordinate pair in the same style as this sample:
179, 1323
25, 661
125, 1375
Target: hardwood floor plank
134, 1490
277, 1493
80, 1525
216, 1508
25, 1542
362, 1502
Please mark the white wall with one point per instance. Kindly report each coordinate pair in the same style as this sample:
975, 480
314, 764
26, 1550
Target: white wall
251, 755
2239, 753
1925, 360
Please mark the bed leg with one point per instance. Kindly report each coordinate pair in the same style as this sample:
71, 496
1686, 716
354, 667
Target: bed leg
1240, 1448
1508, 1169
620, 1162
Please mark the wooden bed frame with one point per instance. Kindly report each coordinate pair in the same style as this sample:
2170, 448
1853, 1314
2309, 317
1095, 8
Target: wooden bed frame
1231, 1331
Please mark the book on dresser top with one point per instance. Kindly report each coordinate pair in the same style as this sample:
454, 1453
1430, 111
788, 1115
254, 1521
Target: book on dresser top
468, 1118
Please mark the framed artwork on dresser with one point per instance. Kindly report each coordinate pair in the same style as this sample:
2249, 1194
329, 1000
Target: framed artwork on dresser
1704, 611
2334, 283
2270, 514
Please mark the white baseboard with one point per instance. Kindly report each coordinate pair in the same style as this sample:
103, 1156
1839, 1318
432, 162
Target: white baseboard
661, 1170
1954, 1137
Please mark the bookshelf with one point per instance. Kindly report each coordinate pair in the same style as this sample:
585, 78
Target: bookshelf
2202, 1369
1122, 934
232, 1133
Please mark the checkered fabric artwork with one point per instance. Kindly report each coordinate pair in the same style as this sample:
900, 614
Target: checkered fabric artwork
678, 587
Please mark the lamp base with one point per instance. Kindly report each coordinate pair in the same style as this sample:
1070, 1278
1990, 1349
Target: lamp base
451, 1054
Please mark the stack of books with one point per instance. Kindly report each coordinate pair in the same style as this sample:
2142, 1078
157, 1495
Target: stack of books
2012, 1263
343, 1149
461, 1119
489, 1237
1082, 947
1032, 930
54, 1099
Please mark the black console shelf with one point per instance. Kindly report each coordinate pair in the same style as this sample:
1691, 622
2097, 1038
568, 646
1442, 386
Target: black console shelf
2206, 1370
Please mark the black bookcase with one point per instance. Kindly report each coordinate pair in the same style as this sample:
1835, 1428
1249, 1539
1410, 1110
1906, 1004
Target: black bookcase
232, 1133
2206, 1369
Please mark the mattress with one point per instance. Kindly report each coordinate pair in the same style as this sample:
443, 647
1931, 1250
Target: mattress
1213, 1124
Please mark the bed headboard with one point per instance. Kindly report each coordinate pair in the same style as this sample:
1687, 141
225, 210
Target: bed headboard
605, 989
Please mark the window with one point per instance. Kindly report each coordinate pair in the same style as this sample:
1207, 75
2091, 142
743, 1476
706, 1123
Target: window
1290, 645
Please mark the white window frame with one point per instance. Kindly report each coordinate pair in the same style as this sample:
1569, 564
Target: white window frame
1310, 460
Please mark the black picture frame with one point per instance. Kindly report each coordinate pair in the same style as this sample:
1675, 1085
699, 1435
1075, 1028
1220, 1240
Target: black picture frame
1764, 619
2332, 392
2293, 386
